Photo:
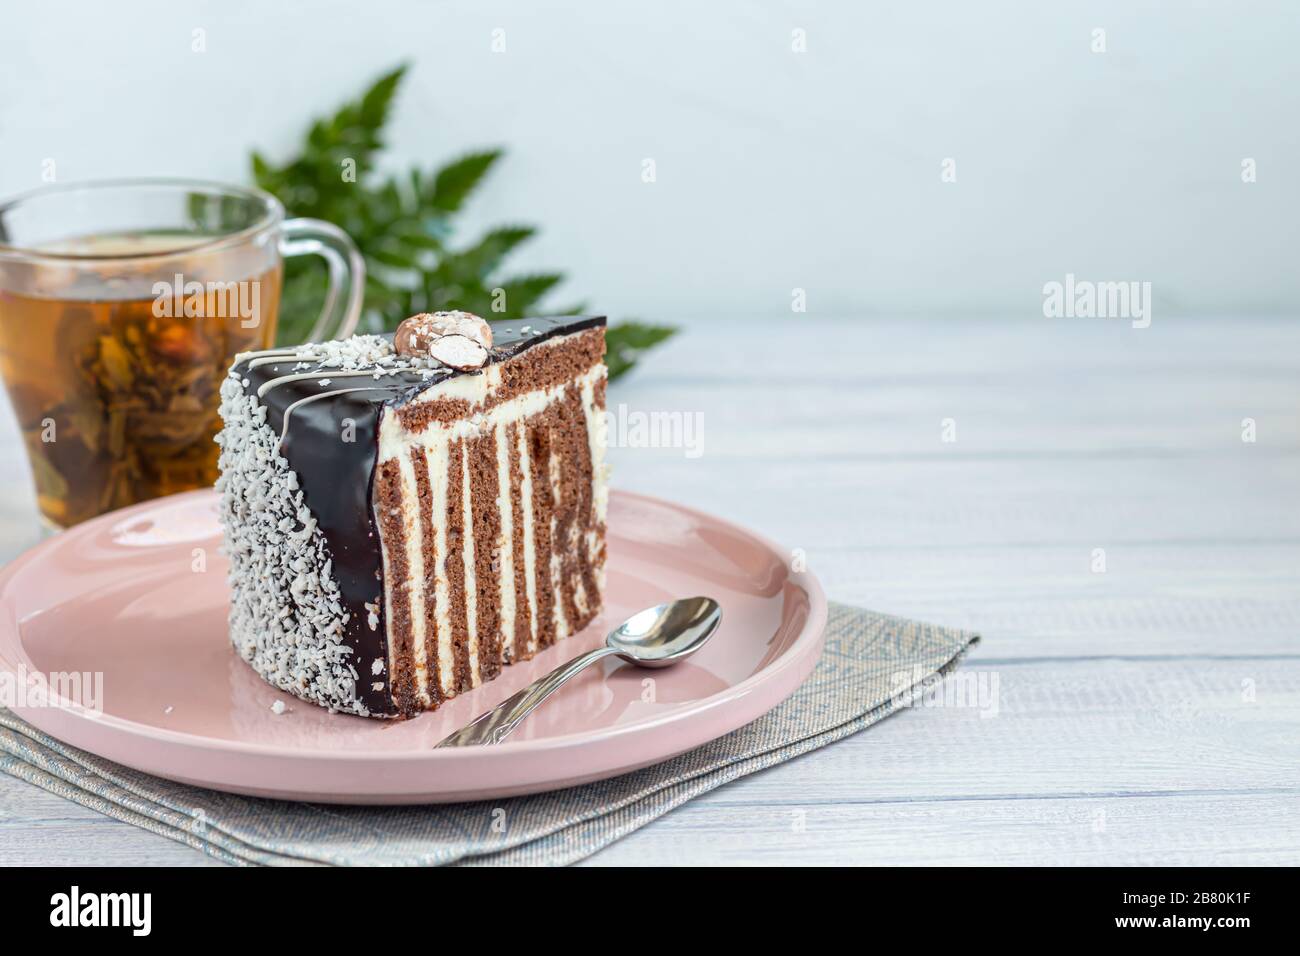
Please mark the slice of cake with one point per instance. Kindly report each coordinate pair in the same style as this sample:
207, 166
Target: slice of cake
404, 515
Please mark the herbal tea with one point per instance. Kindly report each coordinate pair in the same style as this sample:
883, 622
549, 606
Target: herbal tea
114, 374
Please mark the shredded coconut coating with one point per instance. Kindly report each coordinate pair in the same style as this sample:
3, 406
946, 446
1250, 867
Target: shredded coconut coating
359, 353
286, 610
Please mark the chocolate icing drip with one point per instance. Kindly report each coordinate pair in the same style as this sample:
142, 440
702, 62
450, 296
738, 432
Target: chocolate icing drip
332, 445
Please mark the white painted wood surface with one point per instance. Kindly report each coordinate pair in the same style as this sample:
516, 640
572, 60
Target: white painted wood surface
1146, 715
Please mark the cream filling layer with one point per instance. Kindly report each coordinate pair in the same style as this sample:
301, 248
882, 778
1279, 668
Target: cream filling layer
506, 548
411, 533
438, 462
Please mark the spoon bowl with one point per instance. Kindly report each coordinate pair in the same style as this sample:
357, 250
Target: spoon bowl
664, 634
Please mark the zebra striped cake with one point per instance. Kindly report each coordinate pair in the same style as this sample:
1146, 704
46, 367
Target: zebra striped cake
406, 516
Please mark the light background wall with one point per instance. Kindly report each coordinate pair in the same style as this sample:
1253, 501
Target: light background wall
776, 169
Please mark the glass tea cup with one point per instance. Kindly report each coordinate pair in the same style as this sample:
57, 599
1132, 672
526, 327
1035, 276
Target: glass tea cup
122, 305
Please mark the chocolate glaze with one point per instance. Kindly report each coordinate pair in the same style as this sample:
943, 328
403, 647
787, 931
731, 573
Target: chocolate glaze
336, 474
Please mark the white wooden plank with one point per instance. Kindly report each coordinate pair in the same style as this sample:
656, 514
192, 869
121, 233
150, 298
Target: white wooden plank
1040, 601
941, 504
1174, 830
105, 842
40, 828
20, 801
978, 349
1070, 729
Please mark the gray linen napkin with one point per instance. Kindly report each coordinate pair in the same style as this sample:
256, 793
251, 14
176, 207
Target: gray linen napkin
873, 664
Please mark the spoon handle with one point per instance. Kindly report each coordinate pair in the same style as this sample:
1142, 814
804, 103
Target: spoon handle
495, 725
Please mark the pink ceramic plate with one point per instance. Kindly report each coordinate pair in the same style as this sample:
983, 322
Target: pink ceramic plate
139, 595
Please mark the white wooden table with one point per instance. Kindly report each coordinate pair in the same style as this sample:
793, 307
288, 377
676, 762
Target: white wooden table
1147, 714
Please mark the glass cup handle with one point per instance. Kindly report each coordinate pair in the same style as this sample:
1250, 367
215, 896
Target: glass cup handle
315, 237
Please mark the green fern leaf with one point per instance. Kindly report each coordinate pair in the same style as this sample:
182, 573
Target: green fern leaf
455, 181
625, 342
